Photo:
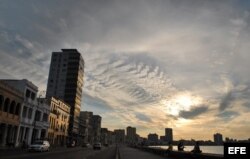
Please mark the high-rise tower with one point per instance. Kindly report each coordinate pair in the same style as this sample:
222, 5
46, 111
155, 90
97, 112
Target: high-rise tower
65, 82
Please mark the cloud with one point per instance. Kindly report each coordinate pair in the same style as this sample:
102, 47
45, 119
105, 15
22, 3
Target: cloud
228, 115
95, 102
226, 101
143, 117
137, 54
194, 112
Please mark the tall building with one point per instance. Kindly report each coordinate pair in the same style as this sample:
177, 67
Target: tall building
86, 119
218, 139
65, 82
169, 134
131, 134
96, 127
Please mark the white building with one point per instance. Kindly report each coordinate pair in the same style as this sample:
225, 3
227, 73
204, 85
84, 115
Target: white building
34, 116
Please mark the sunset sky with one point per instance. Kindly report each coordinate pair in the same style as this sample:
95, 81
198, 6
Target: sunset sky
150, 64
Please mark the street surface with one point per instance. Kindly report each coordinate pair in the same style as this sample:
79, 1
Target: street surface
132, 153
63, 153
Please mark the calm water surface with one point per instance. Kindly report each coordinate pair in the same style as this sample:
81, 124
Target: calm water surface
205, 149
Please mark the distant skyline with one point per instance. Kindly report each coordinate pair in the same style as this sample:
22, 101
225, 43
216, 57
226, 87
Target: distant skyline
182, 64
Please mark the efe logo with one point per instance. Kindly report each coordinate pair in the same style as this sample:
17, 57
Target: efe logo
237, 150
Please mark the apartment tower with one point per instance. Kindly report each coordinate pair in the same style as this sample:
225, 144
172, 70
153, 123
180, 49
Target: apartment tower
65, 82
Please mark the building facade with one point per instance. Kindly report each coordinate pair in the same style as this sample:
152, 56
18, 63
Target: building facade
32, 126
131, 135
65, 82
83, 128
86, 119
96, 127
41, 123
153, 138
11, 101
59, 122
168, 134
119, 136
104, 136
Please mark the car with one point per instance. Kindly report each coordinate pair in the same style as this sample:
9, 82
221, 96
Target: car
97, 146
106, 145
71, 144
86, 145
40, 145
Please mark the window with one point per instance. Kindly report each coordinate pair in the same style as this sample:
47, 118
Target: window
1, 102
17, 109
30, 113
45, 117
33, 95
6, 104
12, 107
27, 93
24, 111
37, 115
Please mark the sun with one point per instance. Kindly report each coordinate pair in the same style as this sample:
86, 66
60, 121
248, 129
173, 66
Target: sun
180, 102
185, 101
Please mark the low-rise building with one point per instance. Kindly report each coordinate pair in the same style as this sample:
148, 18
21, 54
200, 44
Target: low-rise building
11, 101
29, 91
153, 138
42, 118
58, 121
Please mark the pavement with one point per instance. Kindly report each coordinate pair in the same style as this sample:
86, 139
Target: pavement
132, 153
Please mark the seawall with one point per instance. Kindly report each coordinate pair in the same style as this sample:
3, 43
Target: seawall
180, 154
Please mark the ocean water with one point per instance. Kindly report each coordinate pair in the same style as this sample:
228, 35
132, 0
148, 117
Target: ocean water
205, 149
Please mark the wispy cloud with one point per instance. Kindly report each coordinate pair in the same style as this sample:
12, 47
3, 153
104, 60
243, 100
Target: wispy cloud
194, 112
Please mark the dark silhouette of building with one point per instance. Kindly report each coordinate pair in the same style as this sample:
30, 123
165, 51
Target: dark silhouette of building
65, 82
119, 135
218, 139
131, 135
169, 134
153, 138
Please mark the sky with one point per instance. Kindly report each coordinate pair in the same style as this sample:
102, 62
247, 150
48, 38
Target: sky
182, 64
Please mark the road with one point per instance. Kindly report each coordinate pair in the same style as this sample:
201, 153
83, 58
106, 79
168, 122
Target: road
67, 153
132, 153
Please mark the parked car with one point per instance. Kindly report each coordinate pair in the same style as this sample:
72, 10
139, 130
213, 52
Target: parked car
106, 144
86, 145
71, 143
39, 145
97, 146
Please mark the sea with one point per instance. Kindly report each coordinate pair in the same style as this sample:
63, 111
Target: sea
205, 149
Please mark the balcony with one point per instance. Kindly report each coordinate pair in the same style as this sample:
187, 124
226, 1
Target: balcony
26, 121
41, 124
30, 101
9, 118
